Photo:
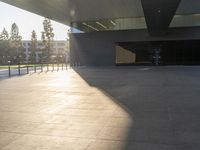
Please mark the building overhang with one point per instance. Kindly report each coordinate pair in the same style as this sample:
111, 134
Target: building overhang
158, 13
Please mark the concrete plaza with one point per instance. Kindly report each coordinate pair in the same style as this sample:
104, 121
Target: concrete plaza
113, 108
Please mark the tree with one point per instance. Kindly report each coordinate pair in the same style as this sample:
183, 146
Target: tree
33, 47
16, 43
4, 46
47, 38
4, 35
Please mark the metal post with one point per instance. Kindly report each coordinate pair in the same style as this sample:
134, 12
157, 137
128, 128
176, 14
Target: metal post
9, 72
27, 70
19, 71
41, 68
35, 68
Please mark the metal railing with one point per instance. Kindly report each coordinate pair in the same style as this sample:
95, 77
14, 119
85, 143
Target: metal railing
21, 69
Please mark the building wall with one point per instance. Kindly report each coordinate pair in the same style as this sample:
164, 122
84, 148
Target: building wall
98, 48
57, 46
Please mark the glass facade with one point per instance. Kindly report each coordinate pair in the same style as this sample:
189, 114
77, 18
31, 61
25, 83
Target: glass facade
187, 20
109, 24
172, 52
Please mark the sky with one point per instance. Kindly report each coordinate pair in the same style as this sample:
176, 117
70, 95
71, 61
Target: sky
27, 22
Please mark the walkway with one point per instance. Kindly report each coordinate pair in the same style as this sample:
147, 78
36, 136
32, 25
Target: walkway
127, 108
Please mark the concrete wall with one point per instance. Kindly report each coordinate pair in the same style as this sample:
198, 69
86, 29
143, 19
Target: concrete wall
124, 56
98, 48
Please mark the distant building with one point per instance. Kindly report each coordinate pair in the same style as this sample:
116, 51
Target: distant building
58, 46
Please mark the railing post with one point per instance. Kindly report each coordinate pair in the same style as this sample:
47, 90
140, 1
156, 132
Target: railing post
9, 72
41, 68
27, 70
35, 68
19, 71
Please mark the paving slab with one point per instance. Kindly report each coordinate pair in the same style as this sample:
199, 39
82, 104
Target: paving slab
105, 108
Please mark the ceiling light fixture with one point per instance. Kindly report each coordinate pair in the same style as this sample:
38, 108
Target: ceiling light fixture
101, 25
113, 22
90, 26
195, 14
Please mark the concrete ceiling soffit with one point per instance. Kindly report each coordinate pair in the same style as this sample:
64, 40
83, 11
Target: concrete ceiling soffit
159, 14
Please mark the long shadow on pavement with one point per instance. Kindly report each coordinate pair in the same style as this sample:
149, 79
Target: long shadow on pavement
162, 101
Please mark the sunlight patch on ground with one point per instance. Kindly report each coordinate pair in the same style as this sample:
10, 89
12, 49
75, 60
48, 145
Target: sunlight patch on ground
59, 110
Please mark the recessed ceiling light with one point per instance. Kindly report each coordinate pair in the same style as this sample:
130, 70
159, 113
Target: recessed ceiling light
113, 22
101, 25
90, 26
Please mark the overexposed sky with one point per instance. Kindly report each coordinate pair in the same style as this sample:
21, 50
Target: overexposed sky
27, 22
